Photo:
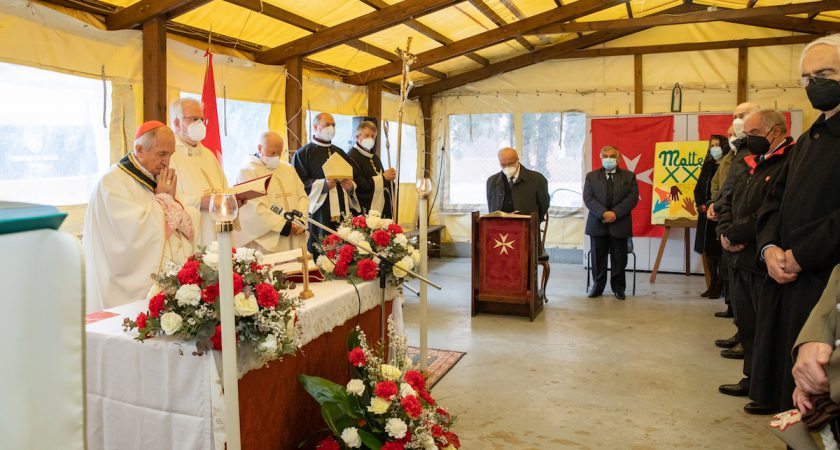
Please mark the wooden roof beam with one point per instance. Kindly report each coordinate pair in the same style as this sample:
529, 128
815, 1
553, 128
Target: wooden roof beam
699, 16
486, 39
689, 47
134, 15
426, 31
353, 29
795, 24
499, 21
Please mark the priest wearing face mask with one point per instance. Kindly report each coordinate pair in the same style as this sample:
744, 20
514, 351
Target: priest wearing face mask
516, 188
799, 227
610, 194
330, 200
261, 228
199, 172
768, 148
373, 181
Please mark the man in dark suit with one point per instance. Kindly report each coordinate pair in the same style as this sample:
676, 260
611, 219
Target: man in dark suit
516, 188
610, 194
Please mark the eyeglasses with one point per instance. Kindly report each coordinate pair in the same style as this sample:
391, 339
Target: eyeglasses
819, 78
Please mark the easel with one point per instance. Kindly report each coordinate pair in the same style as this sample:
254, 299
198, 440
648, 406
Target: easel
688, 224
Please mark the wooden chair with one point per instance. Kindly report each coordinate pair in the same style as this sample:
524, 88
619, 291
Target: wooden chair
543, 258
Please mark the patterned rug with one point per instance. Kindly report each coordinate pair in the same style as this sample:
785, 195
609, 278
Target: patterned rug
440, 362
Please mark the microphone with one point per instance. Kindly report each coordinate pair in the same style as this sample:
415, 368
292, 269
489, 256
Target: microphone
288, 215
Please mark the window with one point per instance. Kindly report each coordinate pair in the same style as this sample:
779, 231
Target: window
53, 144
408, 165
553, 146
244, 122
345, 133
474, 143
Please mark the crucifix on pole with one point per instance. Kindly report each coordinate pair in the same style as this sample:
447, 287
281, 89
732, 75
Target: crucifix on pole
407, 59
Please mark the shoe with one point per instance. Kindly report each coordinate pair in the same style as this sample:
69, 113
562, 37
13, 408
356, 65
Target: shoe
739, 389
595, 294
760, 409
714, 295
727, 313
706, 293
620, 295
727, 343
736, 352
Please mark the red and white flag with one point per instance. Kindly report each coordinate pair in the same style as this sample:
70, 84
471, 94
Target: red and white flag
212, 140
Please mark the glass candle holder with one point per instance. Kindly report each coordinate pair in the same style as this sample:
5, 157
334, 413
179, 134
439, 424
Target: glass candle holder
223, 209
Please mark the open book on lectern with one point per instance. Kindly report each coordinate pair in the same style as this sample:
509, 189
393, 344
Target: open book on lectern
506, 215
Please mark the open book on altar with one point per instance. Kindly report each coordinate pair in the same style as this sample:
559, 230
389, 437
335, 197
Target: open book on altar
506, 215
289, 262
251, 189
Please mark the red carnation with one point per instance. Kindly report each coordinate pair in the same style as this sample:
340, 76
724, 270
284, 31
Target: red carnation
347, 250
360, 222
141, 321
452, 438
189, 273
238, 283
416, 380
394, 228
357, 357
393, 446
406, 439
331, 255
385, 390
367, 269
267, 296
426, 397
210, 293
331, 240
381, 237
341, 269
412, 406
437, 431
328, 444
156, 305
216, 340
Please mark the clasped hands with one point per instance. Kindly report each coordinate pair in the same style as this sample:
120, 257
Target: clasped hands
729, 246
809, 374
781, 264
346, 183
608, 217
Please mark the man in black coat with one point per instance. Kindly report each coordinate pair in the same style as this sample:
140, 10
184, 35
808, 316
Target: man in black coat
373, 182
767, 144
610, 194
799, 224
517, 189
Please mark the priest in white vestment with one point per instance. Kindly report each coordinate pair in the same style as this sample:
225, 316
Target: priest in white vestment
261, 228
199, 172
135, 223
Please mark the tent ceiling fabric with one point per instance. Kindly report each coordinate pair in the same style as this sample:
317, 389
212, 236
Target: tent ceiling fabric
456, 22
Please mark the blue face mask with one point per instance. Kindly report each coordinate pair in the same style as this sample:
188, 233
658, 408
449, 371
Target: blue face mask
716, 152
609, 163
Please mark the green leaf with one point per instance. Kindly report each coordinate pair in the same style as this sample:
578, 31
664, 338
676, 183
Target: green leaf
369, 440
325, 391
335, 418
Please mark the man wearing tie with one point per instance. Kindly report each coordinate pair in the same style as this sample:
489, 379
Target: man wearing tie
517, 189
610, 194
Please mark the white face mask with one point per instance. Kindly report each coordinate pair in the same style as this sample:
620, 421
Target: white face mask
738, 127
270, 161
197, 131
325, 134
367, 143
510, 170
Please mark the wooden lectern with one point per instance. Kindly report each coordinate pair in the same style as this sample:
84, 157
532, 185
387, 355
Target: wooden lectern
504, 265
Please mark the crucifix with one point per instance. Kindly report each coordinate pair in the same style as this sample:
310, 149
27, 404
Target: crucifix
306, 293
407, 59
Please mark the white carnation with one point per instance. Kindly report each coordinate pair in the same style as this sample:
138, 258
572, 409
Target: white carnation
374, 222
171, 322
364, 248
325, 264
350, 436
396, 428
390, 372
386, 222
356, 237
343, 231
356, 387
406, 390
428, 442
213, 247
245, 306
269, 345
407, 263
245, 255
401, 239
188, 294
212, 260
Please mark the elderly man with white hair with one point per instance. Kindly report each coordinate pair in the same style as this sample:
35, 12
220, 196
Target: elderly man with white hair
135, 222
198, 169
261, 228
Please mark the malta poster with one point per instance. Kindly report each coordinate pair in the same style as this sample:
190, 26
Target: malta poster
676, 167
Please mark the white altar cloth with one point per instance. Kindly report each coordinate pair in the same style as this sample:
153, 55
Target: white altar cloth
157, 394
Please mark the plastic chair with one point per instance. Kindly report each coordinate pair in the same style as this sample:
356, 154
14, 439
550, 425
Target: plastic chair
591, 279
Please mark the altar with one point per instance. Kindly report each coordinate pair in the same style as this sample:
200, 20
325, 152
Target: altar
157, 394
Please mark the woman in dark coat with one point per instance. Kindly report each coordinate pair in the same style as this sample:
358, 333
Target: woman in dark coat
706, 242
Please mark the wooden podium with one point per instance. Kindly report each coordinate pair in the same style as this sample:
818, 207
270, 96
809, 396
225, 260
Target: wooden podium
504, 265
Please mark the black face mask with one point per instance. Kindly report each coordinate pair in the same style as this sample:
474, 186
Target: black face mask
824, 93
758, 145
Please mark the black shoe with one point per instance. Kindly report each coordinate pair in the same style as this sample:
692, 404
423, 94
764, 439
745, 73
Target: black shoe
620, 295
714, 295
595, 294
727, 313
736, 352
739, 389
728, 343
706, 293
760, 409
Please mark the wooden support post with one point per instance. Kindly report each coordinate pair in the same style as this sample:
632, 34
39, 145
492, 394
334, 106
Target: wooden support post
742, 75
637, 83
154, 69
426, 110
374, 89
294, 104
